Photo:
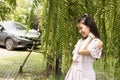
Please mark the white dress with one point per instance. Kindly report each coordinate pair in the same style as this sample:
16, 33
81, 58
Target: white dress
82, 66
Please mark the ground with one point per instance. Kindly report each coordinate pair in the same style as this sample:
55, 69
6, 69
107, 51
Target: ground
10, 62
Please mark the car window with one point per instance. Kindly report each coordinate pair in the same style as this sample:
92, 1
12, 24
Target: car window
19, 26
14, 26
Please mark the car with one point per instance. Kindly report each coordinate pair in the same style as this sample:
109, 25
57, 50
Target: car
16, 35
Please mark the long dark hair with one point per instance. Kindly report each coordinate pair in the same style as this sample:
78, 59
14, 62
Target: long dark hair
89, 22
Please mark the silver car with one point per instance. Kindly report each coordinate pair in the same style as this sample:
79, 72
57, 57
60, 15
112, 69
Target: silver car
15, 35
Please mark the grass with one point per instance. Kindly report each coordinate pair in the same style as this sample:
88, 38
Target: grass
32, 70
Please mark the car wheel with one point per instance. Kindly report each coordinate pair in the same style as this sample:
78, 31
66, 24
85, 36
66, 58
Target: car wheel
9, 44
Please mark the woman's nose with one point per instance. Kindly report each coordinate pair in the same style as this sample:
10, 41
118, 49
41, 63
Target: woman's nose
80, 31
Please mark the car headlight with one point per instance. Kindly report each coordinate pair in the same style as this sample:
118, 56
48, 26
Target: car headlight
22, 38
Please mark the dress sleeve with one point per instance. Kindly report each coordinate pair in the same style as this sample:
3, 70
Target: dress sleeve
94, 51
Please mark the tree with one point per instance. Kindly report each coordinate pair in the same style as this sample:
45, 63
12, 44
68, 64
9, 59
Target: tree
59, 34
6, 6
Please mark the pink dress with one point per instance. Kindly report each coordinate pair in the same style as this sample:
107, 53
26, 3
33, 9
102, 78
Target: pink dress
82, 66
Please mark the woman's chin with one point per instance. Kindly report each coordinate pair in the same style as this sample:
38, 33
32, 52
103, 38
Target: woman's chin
84, 37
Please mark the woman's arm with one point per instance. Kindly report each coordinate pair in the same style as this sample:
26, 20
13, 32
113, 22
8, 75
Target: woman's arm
85, 43
83, 49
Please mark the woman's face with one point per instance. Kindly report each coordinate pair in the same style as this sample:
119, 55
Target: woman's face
83, 30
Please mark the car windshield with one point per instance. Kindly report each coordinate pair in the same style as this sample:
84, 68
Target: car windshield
14, 26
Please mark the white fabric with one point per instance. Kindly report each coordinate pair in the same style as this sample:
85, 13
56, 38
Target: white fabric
82, 67
76, 56
94, 51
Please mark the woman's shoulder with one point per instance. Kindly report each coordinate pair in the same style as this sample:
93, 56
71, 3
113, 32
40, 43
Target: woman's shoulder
79, 40
98, 42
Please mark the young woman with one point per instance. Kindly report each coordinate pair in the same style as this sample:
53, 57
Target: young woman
86, 51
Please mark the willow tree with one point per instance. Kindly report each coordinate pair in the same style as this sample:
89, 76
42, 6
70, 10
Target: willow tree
108, 21
116, 38
59, 33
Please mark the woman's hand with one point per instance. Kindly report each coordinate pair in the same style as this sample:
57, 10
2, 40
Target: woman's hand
91, 35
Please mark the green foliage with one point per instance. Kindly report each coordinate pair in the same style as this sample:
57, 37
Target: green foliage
27, 12
32, 19
55, 78
6, 6
60, 33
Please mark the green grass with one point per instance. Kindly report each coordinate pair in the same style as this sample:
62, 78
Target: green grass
32, 70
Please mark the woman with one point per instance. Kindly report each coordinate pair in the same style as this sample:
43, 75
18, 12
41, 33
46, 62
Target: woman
87, 50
